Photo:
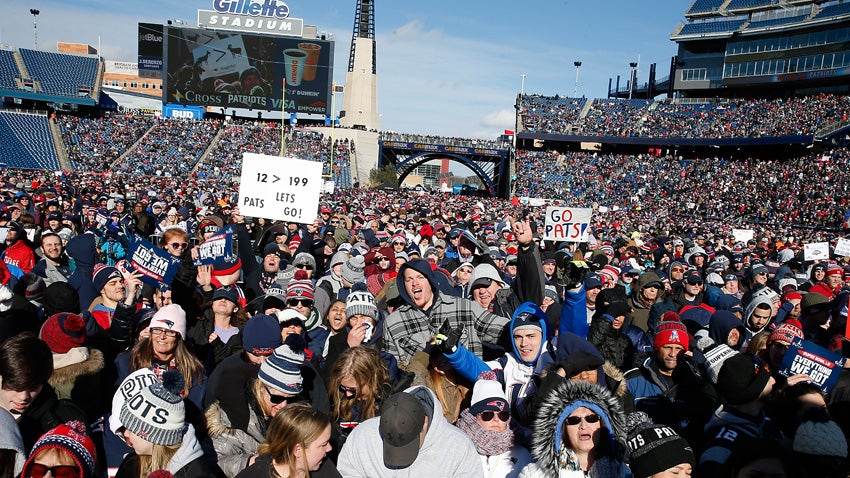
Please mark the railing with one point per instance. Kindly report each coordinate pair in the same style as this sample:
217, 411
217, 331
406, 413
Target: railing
831, 128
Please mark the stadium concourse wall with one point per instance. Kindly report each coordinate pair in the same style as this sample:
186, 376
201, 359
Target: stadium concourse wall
366, 151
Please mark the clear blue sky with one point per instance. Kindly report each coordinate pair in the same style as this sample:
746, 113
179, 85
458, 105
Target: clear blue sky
444, 67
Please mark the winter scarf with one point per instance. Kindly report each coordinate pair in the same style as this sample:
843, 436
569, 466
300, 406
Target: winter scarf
487, 442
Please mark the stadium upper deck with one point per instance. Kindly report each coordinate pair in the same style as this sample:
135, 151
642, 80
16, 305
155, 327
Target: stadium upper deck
735, 48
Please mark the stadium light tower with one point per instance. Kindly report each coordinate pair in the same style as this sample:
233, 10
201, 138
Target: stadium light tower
634, 65
576, 64
35, 13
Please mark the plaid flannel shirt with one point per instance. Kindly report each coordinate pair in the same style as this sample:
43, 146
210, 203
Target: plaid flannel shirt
408, 329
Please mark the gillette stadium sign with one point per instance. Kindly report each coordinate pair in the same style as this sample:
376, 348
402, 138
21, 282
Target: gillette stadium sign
251, 16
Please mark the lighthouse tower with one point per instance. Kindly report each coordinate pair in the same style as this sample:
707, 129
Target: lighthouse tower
360, 101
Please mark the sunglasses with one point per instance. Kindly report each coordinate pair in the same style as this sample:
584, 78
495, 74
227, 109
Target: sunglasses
277, 399
334, 223
678, 269
301, 302
573, 421
162, 331
349, 392
304, 266
61, 471
490, 415
695, 283
179, 245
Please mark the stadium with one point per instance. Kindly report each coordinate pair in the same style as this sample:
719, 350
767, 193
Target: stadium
753, 81
215, 261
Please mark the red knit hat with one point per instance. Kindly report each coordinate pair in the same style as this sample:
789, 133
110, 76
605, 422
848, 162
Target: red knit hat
671, 332
71, 438
786, 332
63, 332
300, 287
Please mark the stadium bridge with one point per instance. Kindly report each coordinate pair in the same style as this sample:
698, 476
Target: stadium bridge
491, 165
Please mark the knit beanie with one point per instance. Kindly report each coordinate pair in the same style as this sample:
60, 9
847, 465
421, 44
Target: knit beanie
282, 371
812, 299
72, 438
352, 269
63, 332
130, 386
742, 379
157, 414
376, 282
786, 332
304, 258
654, 448
360, 302
820, 439
300, 287
261, 335
715, 355
671, 332
339, 258
171, 317
487, 395
60, 297
103, 274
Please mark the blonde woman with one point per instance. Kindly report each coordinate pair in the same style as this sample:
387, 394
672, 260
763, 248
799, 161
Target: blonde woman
296, 446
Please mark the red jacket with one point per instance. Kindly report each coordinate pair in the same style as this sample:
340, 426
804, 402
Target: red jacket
20, 255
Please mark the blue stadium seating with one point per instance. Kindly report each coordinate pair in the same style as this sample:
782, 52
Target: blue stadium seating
776, 22
704, 6
25, 141
711, 27
834, 10
749, 4
8, 70
59, 73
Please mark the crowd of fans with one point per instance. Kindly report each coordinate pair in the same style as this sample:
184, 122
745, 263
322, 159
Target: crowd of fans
721, 118
807, 190
93, 144
449, 141
171, 148
550, 114
423, 334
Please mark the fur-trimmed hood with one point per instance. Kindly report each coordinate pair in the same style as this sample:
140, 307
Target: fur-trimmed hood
617, 376
558, 404
92, 365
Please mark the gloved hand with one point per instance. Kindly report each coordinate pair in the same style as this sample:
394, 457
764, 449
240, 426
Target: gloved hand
686, 370
570, 273
448, 338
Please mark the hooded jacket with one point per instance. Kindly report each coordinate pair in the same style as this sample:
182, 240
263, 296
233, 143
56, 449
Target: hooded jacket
188, 462
10, 439
83, 250
723, 322
445, 452
556, 405
640, 311
408, 329
751, 330
515, 374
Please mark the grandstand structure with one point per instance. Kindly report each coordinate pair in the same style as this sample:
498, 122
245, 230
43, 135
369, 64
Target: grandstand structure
762, 48
62, 81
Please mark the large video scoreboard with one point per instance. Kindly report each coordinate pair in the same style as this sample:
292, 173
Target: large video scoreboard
236, 69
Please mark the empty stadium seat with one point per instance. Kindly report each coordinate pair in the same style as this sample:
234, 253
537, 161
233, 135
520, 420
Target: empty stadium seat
59, 73
25, 141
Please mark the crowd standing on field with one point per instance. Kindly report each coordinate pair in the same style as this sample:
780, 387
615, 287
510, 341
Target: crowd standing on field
404, 333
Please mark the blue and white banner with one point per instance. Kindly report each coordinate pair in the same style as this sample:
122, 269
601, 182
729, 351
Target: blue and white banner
820, 364
217, 249
156, 266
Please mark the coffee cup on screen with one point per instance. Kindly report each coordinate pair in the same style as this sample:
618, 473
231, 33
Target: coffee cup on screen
312, 50
294, 61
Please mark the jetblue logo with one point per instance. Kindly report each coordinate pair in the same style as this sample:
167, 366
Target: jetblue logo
266, 8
